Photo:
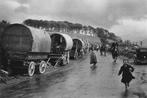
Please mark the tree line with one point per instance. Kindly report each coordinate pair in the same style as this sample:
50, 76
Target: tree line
65, 26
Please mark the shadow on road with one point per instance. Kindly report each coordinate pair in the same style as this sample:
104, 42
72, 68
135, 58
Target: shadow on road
125, 94
130, 93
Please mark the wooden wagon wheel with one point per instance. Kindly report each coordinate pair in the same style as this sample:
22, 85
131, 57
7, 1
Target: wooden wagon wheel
42, 67
31, 68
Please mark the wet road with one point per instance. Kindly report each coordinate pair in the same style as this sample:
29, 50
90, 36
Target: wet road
79, 81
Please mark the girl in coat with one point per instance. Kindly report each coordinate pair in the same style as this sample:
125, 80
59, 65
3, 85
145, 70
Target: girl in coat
126, 71
93, 59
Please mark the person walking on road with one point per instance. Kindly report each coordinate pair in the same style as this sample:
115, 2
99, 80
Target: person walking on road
103, 49
114, 51
93, 59
126, 71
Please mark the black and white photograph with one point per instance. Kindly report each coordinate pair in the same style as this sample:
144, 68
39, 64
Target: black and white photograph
73, 48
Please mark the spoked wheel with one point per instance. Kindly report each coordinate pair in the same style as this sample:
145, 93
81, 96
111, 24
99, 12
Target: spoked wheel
42, 67
31, 69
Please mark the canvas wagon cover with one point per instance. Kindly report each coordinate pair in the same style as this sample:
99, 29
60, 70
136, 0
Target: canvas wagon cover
41, 40
21, 38
80, 42
67, 38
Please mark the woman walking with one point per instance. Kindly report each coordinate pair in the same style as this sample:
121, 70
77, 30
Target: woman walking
93, 59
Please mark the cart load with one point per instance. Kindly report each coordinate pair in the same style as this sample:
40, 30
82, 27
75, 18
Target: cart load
27, 45
60, 47
77, 49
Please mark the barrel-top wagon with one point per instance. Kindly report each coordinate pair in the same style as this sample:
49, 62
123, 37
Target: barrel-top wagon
78, 48
60, 48
25, 48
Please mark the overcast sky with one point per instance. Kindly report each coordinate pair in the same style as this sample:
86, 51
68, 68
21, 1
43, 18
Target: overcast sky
126, 18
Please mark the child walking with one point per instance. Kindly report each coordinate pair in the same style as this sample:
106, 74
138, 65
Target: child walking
93, 59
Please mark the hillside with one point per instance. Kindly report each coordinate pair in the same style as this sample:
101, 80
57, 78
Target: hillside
72, 28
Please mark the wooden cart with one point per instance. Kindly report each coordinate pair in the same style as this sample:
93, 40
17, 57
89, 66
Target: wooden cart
77, 49
60, 48
25, 48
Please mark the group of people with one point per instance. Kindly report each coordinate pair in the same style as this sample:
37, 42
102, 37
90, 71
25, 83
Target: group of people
125, 70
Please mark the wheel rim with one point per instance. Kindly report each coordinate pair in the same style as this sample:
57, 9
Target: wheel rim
31, 69
42, 67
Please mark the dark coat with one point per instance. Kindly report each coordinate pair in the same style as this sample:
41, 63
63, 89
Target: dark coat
126, 72
103, 47
93, 58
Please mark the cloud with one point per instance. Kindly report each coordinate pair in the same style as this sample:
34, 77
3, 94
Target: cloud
93, 12
23, 1
23, 8
6, 9
102, 12
131, 29
11, 10
10, 3
98, 13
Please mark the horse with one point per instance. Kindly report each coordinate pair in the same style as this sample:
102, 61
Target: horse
114, 53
